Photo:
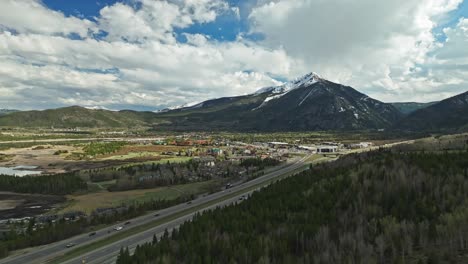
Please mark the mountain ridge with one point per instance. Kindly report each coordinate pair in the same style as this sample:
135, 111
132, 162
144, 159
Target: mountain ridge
308, 103
449, 114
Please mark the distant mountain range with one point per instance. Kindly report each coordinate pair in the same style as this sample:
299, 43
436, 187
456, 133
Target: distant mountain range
410, 107
76, 116
7, 111
447, 115
309, 103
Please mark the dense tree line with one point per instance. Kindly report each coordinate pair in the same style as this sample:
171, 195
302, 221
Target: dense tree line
142, 176
59, 184
28, 235
379, 207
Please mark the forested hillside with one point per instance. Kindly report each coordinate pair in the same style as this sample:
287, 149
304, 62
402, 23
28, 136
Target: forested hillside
380, 207
76, 116
410, 107
449, 115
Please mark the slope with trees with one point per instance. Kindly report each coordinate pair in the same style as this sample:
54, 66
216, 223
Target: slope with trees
381, 207
448, 115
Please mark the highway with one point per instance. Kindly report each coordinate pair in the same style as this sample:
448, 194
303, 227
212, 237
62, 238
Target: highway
107, 254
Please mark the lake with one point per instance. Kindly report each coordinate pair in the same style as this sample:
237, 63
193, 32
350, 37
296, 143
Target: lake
19, 170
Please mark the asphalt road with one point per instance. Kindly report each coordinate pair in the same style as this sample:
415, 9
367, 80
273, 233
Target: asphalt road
108, 253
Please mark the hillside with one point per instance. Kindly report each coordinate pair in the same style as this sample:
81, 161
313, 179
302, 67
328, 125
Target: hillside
410, 107
76, 116
448, 115
379, 207
307, 103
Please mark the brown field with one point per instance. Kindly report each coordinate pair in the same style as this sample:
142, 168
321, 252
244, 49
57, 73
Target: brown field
15, 205
89, 202
9, 204
41, 156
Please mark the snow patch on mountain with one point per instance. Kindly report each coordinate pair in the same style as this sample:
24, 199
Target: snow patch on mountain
305, 80
267, 100
279, 91
191, 105
98, 107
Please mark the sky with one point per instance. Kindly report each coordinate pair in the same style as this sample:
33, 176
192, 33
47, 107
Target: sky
153, 54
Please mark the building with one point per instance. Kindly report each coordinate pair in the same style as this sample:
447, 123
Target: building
278, 144
327, 149
366, 144
361, 145
312, 149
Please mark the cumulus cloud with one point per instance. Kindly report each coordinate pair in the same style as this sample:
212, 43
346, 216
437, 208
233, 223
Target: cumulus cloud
156, 19
375, 46
138, 62
131, 56
31, 16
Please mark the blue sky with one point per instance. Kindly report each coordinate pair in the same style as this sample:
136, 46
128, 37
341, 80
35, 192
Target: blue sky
143, 54
224, 28
451, 20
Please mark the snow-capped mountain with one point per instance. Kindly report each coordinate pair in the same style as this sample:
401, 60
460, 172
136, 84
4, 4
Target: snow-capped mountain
187, 105
305, 80
98, 107
306, 103
277, 92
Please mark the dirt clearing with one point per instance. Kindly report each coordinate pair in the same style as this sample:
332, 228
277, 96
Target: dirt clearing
15, 205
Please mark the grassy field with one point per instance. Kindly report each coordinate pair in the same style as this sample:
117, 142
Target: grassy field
166, 159
132, 155
103, 198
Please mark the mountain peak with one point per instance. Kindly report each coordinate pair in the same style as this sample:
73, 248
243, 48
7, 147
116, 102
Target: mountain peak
305, 80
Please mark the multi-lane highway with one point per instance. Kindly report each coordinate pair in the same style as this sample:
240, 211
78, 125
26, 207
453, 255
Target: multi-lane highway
184, 212
108, 254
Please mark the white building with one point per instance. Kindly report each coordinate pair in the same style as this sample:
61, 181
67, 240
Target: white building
327, 149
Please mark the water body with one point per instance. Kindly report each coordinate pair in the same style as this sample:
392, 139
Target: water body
19, 171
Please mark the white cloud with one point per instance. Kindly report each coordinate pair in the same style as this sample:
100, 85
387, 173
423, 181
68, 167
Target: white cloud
156, 20
455, 49
384, 48
372, 45
31, 16
115, 72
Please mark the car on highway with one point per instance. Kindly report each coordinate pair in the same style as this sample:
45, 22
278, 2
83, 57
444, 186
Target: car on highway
118, 228
127, 223
156, 215
92, 233
189, 202
69, 245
